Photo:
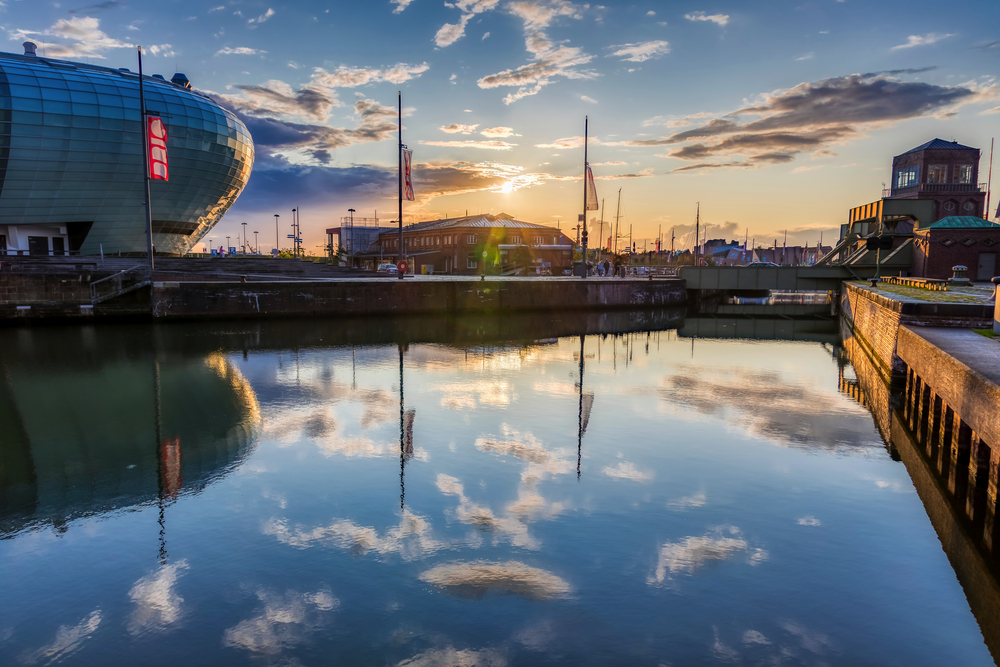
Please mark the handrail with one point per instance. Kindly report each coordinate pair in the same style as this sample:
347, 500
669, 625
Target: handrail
118, 289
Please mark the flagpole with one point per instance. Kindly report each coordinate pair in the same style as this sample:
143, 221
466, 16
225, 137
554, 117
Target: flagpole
399, 150
583, 237
145, 155
989, 184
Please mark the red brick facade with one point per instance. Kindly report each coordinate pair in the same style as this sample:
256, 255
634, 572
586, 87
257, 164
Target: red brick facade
942, 171
455, 246
936, 251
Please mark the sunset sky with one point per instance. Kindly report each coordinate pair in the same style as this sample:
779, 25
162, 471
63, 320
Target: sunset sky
774, 116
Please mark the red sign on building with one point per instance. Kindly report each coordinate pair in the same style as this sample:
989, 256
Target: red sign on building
157, 133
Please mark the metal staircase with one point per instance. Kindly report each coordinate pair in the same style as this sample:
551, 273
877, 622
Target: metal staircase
119, 283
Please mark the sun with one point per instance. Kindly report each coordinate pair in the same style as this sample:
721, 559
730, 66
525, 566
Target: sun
507, 187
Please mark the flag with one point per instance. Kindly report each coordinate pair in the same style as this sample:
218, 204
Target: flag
591, 191
407, 183
157, 136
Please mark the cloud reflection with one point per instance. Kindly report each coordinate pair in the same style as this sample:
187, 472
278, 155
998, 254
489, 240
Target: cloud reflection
68, 639
692, 553
157, 604
476, 578
411, 539
451, 657
627, 470
284, 621
770, 406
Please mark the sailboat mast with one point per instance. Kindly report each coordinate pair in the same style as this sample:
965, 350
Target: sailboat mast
601, 239
583, 236
617, 216
697, 234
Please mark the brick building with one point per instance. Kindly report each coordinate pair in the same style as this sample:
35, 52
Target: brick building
944, 172
456, 246
955, 240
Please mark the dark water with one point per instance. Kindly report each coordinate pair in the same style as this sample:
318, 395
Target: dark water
267, 494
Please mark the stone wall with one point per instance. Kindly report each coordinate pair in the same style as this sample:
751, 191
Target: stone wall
192, 300
936, 251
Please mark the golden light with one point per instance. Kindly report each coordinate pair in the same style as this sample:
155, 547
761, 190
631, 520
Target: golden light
507, 187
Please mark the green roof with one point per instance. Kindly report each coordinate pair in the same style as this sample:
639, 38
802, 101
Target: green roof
961, 222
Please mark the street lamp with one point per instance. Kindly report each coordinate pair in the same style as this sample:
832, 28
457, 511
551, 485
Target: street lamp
244, 238
227, 245
256, 244
295, 233
351, 211
277, 243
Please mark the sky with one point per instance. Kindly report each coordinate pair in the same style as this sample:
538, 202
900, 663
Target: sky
773, 117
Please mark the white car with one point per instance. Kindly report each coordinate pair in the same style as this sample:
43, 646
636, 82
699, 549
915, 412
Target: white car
387, 268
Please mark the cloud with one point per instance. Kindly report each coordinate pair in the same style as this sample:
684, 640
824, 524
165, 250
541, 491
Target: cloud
588, 100
400, 5
239, 51
807, 56
353, 77
626, 470
164, 50
86, 39
640, 51
922, 40
549, 59
991, 111
499, 132
216, 9
645, 173
450, 33
99, 7
694, 500
721, 19
650, 13
485, 145
263, 17
68, 639
459, 128
692, 553
157, 604
810, 117
612, 163
476, 578
486, 34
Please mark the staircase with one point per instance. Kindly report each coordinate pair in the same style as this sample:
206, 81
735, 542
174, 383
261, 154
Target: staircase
118, 284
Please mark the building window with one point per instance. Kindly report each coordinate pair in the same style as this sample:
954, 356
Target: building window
470, 261
471, 239
437, 240
968, 206
963, 174
538, 240
906, 178
937, 174
555, 240
516, 240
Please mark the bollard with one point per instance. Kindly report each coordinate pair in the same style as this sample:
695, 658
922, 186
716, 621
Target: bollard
996, 307
958, 276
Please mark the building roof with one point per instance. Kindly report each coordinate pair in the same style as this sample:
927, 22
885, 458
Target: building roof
941, 145
961, 222
484, 221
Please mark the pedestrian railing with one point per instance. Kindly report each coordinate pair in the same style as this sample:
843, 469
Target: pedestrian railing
119, 283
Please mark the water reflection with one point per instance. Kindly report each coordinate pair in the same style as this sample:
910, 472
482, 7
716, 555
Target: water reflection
420, 492
93, 425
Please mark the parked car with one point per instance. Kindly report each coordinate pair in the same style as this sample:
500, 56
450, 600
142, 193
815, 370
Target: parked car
761, 265
387, 268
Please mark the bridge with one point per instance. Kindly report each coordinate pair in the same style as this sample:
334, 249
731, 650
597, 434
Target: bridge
784, 278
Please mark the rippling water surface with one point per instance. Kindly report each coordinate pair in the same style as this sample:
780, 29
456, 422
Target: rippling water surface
272, 494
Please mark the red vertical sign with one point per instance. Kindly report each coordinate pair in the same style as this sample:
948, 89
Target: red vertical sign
407, 183
157, 133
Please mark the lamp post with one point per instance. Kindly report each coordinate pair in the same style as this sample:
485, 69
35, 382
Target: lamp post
295, 234
244, 238
277, 243
227, 245
351, 211
210, 246
256, 244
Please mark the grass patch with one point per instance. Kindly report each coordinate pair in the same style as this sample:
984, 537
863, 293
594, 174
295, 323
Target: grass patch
988, 333
950, 296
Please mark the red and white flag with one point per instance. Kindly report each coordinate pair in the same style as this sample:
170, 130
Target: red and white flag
156, 131
407, 182
591, 191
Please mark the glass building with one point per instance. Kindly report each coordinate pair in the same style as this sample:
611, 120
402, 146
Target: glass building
71, 159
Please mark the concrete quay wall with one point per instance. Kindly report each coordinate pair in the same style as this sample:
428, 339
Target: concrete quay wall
200, 300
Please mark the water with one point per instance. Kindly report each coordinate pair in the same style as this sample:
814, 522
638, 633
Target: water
263, 494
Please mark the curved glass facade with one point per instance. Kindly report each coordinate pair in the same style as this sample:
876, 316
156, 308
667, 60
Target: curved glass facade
71, 160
